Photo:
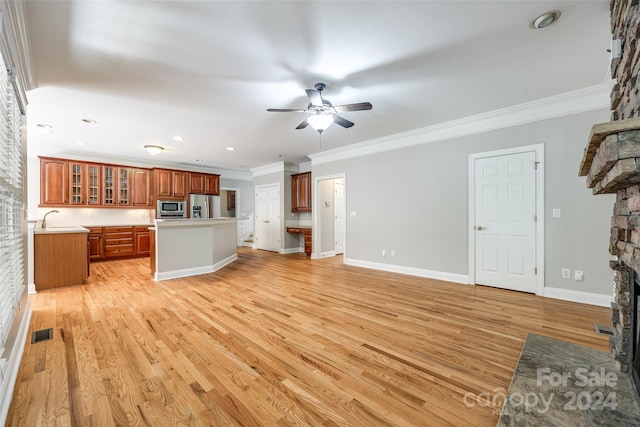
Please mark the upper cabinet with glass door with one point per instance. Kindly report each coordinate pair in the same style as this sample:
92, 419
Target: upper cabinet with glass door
84, 183
115, 186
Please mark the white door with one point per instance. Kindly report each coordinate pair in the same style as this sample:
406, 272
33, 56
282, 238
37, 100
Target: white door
505, 222
340, 212
267, 217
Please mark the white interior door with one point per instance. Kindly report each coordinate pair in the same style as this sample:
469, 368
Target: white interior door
267, 217
340, 212
505, 221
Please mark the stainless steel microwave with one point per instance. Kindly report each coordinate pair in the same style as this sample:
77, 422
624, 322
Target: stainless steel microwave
170, 209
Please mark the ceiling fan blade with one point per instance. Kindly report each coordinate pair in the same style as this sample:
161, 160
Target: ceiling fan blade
285, 110
353, 107
314, 97
303, 125
341, 121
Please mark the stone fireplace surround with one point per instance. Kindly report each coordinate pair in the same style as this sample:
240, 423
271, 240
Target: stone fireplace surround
611, 164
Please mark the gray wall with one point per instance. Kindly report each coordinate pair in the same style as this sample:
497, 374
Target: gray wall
244, 203
414, 201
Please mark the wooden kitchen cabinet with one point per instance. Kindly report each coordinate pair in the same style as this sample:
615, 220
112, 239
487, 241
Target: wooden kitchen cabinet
212, 184
196, 183
142, 237
301, 192
96, 243
203, 183
140, 187
77, 183
118, 242
53, 182
231, 199
60, 259
84, 184
169, 183
306, 232
116, 189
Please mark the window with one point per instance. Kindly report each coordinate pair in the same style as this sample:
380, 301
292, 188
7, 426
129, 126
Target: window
12, 280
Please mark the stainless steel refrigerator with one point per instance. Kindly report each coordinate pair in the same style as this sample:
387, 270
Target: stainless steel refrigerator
203, 206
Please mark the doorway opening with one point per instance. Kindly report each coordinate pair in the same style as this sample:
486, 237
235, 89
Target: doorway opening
329, 216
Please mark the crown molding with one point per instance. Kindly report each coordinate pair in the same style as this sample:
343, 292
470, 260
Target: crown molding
587, 99
268, 169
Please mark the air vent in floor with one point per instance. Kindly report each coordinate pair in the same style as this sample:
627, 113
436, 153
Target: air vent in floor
42, 335
603, 330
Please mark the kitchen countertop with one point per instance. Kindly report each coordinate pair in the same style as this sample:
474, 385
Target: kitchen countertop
191, 221
61, 230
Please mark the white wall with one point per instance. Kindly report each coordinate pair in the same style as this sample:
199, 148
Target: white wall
414, 201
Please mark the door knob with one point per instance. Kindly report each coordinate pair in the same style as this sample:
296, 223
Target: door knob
480, 228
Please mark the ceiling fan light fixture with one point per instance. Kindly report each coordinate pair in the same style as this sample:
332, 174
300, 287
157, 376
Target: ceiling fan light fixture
153, 149
320, 121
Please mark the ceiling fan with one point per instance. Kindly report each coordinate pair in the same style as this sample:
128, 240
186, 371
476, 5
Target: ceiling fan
322, 112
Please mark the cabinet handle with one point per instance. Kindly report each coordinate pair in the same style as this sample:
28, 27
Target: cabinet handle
480, 228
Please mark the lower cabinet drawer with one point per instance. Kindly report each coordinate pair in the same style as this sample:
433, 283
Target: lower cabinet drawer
118, 250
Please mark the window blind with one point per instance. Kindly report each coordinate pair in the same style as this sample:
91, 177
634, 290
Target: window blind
11, 202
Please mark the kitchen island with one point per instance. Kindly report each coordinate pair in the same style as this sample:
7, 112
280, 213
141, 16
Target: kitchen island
188, 247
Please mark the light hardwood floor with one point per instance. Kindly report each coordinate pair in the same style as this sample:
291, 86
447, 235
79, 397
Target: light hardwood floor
279, 340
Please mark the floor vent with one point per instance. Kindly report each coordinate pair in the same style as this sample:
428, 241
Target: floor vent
42, 335
603, 330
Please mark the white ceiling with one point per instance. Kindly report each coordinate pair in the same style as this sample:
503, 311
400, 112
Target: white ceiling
208, 70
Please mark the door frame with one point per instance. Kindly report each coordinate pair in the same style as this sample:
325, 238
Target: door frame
255, 223
538, 149
315, 234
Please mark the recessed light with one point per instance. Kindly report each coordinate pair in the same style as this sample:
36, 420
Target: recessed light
230, 148
178, 138
153, 149
80, 143
545, 20
90, 121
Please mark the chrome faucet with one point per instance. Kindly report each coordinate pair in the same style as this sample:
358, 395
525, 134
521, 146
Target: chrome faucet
44, 219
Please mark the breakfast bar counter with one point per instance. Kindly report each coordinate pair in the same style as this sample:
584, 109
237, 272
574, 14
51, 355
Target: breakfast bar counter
188, 247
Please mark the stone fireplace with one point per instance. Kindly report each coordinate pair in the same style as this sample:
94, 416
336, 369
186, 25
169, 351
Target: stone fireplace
611, 164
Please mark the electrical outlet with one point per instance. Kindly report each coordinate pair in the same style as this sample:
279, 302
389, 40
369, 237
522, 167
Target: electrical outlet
557, 213
353, 214
384, 252
578, 275
566, 273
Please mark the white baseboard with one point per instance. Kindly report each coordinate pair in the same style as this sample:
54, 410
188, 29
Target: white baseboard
185, 272
31, 288
579, 296
7, 386
411, 271
291, 251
